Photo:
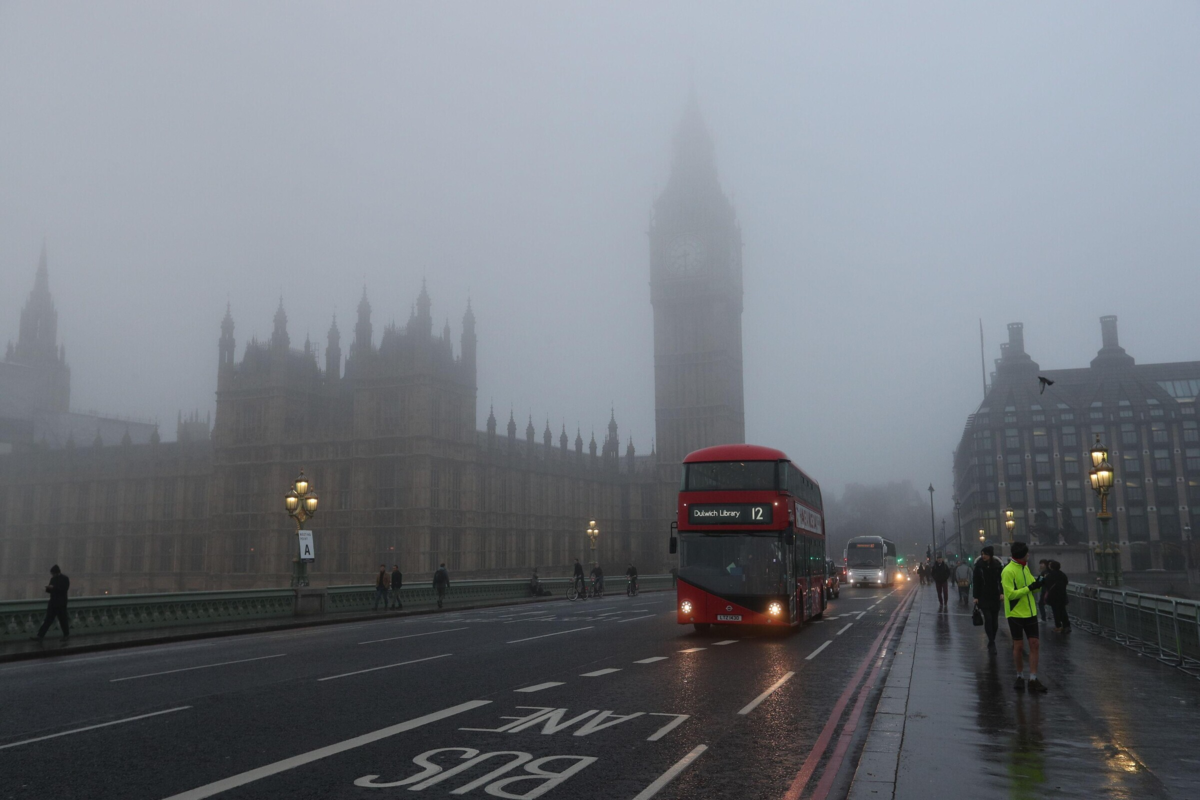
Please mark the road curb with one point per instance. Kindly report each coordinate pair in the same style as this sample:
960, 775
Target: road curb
875, 773
50, 651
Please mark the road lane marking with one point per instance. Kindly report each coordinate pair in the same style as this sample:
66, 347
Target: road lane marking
843, 630
651, 660
92, 727
668, 776
411, 635
862, 614
189, 669
753, 704
208, 790
599, 672
634, 619
727, 641
556, 633
539, 687
670, 726
817, 652
693, 650
385, 666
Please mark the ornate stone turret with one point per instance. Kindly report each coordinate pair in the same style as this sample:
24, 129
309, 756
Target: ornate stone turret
362, 329
512, 426
226, 344
529, 432
333, 352
279, 336
630, 456
491, 423
1111, 354
424, 317
592, 446
468, 341
37, 346
562, 439
547, 436
578, 442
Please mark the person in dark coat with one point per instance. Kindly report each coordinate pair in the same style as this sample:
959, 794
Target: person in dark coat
441, 582
941, 573
397, 583
1055, 590
381, 588
56, 609
988, 592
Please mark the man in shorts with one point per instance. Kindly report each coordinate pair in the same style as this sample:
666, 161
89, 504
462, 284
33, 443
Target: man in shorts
1021, 610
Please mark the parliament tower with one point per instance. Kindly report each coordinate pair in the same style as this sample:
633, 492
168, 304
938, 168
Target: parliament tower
696, 291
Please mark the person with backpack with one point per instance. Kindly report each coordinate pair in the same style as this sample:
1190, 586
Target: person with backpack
962, 578
1020, 609
1055, 590
441, 582
985, 585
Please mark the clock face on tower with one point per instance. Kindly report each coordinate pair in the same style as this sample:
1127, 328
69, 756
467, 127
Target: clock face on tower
684, 256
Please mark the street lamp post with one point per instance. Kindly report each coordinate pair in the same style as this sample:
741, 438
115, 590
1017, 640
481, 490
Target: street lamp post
1107, 554
958, 524
301, 505
932, 523
593, 533
1010, 522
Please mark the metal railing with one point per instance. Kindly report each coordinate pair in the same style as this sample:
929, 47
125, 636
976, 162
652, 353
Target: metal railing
1165, 628
20, 619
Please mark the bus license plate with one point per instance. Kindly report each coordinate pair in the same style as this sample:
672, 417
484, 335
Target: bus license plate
729, 617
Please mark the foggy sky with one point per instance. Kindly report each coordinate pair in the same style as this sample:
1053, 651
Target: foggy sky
898, 173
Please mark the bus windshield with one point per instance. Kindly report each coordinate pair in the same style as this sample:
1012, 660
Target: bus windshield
864, 554
733, 476
733, 564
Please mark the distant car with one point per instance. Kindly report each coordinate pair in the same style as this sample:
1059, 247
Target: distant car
833, 581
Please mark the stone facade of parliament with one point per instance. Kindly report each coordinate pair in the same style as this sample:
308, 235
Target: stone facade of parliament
388, 437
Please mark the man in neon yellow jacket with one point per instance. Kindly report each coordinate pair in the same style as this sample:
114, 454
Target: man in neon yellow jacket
1020, 608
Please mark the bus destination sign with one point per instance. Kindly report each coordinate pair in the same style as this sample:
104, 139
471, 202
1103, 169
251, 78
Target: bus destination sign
732, 514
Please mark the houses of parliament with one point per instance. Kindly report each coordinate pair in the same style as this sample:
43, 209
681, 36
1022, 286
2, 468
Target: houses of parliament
385, 427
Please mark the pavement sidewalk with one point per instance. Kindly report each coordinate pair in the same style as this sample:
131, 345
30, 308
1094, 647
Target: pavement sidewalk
949, 723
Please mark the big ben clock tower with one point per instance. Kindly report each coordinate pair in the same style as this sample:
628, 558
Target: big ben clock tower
696, 291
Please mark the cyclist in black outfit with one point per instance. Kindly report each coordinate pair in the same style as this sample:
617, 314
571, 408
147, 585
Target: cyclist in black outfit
632, 573
578, 576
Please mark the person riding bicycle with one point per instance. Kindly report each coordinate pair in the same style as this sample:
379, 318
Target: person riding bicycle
597, 576
633, 579
577, 576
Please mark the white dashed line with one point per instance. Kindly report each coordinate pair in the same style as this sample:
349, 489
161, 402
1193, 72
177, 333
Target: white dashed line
189, 669
634, 619
662, 780
92, 727
817, 652
599, 672
544, 635
539, 687
862, 614
727, 641
843, 630
693, 650
651, 660
411, 635
385, 666
753, 704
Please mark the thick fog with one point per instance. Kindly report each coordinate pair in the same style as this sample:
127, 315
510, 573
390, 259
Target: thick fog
899, 171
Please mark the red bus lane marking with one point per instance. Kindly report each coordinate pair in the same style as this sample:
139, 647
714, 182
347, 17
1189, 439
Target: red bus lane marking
810, 764
843, 743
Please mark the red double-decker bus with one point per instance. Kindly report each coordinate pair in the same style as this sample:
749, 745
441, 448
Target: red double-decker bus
751, 539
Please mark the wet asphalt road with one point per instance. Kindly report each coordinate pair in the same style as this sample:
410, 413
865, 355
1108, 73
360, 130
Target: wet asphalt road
613, 694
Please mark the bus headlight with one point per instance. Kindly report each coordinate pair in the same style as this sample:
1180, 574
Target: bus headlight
775, 609
899, 576
686, 607
881, 573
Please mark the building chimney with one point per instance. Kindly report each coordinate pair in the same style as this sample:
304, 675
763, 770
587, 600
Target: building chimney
1108, 332
1016, 338
1111, 353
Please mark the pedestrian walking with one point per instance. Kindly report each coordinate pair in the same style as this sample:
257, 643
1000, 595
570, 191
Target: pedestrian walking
56, 608
381, 588
1020, 608
441, 582
941, 579
397, 584
1043, 571
988, 591
1055, 590
921, 573
962, 577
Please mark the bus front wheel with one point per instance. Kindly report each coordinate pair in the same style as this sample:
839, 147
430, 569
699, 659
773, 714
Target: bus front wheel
702, 627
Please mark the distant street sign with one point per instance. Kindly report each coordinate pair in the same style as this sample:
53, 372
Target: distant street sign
307, 550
